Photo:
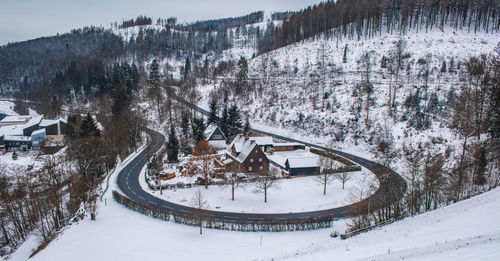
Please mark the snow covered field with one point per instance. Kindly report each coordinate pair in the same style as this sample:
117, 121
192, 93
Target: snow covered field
291, 195
467, 230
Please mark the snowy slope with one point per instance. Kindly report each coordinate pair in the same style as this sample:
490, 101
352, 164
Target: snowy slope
293, 73
467, 230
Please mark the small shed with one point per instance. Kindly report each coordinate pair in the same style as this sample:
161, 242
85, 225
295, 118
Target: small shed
301, 166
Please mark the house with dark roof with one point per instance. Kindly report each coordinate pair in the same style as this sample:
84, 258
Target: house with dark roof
246, 155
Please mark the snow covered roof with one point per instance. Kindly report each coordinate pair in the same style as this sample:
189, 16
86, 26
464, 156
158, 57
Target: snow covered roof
16, 130
246, 149
20, 119
17, 138
240, 140
243, 146
288, 144
33, 121
261, 141
303, 162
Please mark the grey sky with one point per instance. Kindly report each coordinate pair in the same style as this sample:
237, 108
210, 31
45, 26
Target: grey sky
27, 19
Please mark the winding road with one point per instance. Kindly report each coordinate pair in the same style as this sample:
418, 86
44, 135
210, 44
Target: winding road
392, 186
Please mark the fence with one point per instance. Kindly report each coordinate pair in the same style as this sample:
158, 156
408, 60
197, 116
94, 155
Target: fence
248, 225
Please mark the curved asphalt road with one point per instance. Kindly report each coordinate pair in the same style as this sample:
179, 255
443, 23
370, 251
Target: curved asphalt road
390, 184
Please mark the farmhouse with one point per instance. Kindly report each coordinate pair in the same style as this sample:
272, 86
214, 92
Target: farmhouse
215, 136
246, 155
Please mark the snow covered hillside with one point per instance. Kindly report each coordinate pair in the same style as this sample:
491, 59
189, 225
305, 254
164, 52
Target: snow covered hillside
310, 90
463, 231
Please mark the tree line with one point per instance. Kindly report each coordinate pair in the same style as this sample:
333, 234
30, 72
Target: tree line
362, 18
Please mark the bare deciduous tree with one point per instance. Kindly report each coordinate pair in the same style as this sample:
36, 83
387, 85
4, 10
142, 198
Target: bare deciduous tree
343, 177
200, 203
265, 181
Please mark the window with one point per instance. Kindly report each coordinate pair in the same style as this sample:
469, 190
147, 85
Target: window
251, 159
260, 159
249, 168
261, 167
217, 137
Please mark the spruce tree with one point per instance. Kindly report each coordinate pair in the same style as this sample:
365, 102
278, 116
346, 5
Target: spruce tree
223, 124
187, 68
234, 121
154, 74
198, 129
172, 145
212, 117
185, 125
242, 71
246, 127
88, 127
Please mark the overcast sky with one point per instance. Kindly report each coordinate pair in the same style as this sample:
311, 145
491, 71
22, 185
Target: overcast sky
27, 19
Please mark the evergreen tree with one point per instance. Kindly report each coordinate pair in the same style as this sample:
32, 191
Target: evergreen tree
154, 74
223, 124
246, 127
234, 121
212, 117
242, 72
185, 124
172, 145
14, 155
433, 105
187, 68
120, 100
344, 59
198, 129
88, 127
443, 66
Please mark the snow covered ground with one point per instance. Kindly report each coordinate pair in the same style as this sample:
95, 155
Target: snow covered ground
7, 107
467, 230
291, 195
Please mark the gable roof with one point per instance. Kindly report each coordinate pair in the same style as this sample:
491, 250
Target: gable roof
209, 131
243, 147
303, 162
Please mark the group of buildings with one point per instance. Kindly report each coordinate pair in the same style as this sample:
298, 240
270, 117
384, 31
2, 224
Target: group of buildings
256, 154
26, 132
